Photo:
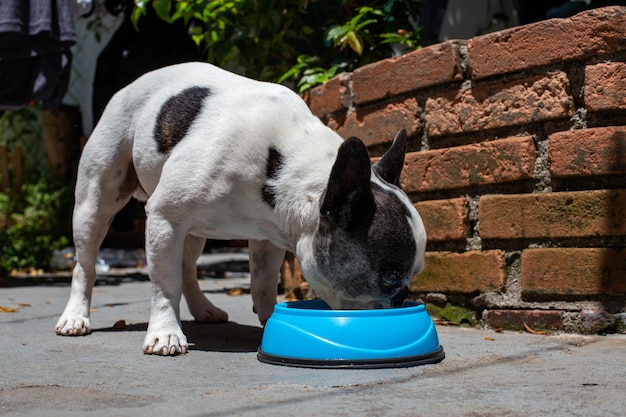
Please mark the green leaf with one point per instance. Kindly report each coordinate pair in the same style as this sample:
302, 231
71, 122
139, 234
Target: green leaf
363, 24
336, 33
162, 8
141, 4
355, 42
135, 15
293, 72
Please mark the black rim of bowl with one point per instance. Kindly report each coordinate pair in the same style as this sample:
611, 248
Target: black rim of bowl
401, 362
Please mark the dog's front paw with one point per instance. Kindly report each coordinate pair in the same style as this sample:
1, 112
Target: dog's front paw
164, 342
73, 326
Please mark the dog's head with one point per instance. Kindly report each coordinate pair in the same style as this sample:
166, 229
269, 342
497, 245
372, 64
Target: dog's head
370, 240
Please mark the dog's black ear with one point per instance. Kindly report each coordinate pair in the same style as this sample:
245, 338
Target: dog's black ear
349, 182
389, 166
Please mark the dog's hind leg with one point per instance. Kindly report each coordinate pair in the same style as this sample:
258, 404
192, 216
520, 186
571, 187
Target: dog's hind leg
265, 262
200, 307
164, 252
103, 187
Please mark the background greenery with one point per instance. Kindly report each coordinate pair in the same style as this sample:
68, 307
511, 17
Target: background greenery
34, 221
301, 43
304, 42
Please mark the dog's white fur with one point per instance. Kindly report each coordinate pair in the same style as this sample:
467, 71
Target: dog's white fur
208, 185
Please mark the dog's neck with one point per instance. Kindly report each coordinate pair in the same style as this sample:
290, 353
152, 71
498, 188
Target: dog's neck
300, 185
300, 192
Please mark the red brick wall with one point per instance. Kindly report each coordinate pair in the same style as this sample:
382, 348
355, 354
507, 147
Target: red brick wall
517, 164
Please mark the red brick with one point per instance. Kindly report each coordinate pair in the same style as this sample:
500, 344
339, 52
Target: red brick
585, 152
467, 272
330, 97
491, 162
605, 86
377, 125
596, 32
445, 219
426, 67
499, 104
573, 272
515, 319
553, 215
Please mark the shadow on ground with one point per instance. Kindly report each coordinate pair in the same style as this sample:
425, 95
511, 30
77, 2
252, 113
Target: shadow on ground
215, 337
65, 279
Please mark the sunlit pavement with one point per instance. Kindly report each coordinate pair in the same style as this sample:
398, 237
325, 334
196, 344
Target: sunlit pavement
106, 374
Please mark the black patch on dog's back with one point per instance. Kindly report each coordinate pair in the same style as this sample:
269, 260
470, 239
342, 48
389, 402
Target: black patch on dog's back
273, 165
177, 115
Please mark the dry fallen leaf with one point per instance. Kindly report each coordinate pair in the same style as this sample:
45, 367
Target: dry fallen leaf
120, 325
235, 291
530, 330
489, 338
8, 309
24, 305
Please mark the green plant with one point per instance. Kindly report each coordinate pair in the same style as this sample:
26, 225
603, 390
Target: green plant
305, 42
30, 226
34, 220
309, 76
454, 314
354, 32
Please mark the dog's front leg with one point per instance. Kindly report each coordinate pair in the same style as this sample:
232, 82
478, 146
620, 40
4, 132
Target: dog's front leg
265, 262
164, 253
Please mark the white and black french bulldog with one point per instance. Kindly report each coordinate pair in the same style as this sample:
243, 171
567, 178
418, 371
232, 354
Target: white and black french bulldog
217, 155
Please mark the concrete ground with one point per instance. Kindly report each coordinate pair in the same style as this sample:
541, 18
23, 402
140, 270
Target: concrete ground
106, 374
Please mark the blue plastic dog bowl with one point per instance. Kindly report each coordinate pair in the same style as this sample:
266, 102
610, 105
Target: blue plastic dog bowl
310, 334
